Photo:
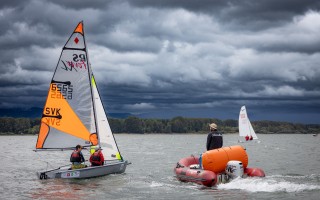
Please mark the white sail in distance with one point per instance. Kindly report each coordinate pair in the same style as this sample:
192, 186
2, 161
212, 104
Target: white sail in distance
245, 127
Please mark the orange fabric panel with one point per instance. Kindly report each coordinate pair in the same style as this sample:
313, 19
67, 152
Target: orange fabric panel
60, 115
217, 159
44, 130
79, 28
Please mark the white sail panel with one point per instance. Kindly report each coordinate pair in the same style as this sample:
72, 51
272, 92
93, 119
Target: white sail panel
64, 140
106, 138
252, 133
244, 128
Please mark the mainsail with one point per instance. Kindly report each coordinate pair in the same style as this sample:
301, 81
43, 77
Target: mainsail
73, 113
245, 127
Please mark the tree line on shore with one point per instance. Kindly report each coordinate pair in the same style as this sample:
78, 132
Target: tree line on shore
132, 124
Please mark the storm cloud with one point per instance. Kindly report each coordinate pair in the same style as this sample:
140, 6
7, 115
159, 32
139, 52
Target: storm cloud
168, 58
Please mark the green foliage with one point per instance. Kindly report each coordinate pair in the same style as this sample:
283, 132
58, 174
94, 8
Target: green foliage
9, 125
34, 130
133, 124
117, 125
179, 125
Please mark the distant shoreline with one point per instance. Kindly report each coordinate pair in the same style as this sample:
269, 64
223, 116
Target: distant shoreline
177, 125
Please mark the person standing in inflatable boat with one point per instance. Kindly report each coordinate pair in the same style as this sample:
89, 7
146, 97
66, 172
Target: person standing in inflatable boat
214, 139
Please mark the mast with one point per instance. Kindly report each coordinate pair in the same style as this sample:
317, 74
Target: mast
90, 74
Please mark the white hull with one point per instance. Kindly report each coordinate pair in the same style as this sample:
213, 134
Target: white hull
117, 167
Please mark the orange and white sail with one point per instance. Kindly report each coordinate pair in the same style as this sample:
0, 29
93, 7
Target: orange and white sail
73, 113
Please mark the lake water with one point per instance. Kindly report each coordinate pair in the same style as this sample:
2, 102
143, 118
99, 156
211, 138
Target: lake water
291, 163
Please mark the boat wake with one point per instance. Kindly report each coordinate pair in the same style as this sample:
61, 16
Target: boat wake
275, 183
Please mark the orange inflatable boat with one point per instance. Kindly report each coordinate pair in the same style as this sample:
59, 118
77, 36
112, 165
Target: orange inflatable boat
218, 166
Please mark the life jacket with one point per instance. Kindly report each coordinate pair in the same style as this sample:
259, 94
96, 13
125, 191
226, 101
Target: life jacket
75, 157
96, 156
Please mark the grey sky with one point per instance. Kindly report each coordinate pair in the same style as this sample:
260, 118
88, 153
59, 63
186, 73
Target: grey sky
170, 57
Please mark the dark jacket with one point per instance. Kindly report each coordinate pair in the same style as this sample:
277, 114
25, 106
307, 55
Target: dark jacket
214, 140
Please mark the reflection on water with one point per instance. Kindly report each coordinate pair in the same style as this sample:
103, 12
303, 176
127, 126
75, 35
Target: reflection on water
59, 191
76, 189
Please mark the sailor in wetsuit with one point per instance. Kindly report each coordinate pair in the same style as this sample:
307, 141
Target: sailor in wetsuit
214, 139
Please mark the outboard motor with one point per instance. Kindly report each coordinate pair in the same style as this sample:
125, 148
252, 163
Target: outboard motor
234, 169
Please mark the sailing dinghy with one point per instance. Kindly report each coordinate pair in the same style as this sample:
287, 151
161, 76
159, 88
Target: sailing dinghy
74, 114
245, 127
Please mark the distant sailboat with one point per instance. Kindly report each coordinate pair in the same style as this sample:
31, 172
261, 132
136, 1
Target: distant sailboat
245, 127
74, 114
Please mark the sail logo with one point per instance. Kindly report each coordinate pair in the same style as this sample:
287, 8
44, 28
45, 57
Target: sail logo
243, 115
52, 115
80, 57
78, 62
70, 174
53, 112
76, 40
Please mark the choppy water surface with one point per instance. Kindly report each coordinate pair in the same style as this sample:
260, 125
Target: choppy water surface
291, 163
